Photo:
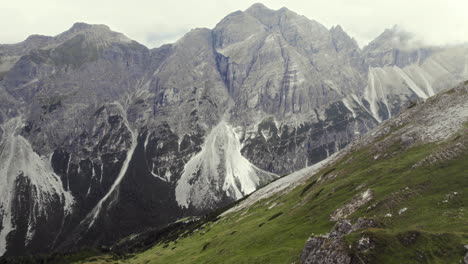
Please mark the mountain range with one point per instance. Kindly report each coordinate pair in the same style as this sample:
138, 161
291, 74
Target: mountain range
102, 137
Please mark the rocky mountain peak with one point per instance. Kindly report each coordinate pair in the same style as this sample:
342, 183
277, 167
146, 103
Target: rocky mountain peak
258, 7
259, 19
396, 46
265, 15
30, 43
97, 34
38, 38
195, 39
395, 37
84, 28
269, 17
81, 26
337, 28
341, 40
100, 35
285, 9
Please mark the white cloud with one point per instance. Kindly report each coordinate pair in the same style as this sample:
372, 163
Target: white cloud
155, 22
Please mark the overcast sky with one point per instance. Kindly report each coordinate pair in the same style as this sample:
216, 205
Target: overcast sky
155, 22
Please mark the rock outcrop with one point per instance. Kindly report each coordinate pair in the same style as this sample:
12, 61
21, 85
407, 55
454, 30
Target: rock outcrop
332, 248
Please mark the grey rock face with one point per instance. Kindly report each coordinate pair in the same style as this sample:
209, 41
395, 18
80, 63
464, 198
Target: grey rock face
331, 247
284, 66
138, 137
319, 250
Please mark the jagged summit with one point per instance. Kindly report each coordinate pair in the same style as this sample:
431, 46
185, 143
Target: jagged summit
101, 35
395, 36
337, 28
260, 7
93, 33
37, 38
341, 39
271, 17
257, 7
80, 34
80, 26
34, 39
396, 46
30, 43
